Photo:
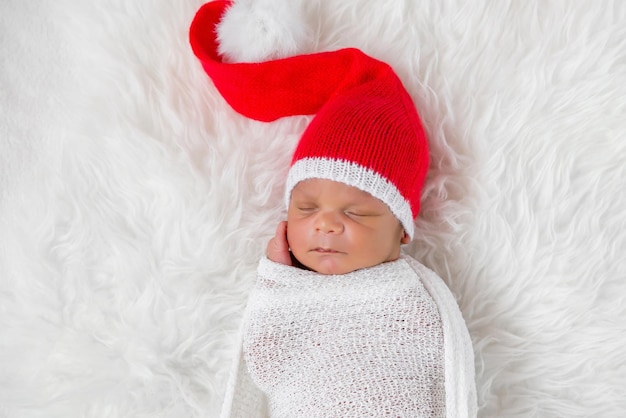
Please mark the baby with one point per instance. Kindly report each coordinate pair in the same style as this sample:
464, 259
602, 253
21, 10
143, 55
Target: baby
369, 339
340, 322
336, 229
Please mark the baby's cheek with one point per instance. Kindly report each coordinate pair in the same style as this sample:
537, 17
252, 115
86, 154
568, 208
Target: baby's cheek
296, 237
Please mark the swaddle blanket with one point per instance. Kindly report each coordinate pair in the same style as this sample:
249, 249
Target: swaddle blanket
383, 341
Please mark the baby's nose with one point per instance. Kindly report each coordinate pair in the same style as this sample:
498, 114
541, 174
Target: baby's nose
329, 223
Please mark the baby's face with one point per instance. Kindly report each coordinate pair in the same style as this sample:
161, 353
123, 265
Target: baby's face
333, 228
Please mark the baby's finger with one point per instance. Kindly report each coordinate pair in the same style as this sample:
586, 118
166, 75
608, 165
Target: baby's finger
281, 236
278, 247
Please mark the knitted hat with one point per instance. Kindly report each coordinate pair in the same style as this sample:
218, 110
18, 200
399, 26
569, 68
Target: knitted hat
366, 131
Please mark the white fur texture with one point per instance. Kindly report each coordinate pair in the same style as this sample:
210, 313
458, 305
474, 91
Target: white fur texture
259, 30
134, 203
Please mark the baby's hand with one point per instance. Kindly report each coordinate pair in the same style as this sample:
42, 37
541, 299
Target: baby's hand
278, 247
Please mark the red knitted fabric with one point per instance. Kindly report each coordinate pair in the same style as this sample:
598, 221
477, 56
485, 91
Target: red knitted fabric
366, 131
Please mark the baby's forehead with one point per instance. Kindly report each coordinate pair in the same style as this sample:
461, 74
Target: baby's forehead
318, 187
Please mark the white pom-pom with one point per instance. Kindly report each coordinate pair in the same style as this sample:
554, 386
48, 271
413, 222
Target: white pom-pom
260, 30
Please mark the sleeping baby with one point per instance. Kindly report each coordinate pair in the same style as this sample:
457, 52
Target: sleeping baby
342, 323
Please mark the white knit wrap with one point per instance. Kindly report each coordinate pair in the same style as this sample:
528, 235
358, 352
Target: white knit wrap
383, 341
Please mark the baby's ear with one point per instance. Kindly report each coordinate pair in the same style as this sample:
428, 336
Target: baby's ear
406, 238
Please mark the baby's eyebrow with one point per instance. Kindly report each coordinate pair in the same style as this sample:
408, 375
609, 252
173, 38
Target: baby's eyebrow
301, 195
366, 198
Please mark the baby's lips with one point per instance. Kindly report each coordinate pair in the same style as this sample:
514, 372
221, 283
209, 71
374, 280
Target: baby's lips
324, 250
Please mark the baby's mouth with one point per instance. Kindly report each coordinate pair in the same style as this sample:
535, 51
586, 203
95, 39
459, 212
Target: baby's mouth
322, 250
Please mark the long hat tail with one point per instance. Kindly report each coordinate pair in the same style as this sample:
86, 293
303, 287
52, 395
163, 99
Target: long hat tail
266, 91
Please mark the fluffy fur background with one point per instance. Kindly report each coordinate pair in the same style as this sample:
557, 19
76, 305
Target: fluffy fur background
134, 203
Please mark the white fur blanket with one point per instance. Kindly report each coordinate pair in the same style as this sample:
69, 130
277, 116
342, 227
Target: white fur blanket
135, 204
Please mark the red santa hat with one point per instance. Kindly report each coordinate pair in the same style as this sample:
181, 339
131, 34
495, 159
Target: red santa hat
365, 133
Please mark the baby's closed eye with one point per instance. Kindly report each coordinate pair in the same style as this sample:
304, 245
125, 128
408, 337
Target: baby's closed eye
361, 213
357, 214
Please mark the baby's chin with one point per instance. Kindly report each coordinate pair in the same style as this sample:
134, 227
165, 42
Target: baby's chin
332, 271
331, 265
